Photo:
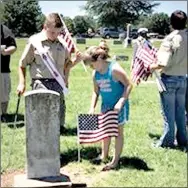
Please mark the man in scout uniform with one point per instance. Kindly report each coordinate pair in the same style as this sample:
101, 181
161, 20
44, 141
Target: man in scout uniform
172, 60
40, 74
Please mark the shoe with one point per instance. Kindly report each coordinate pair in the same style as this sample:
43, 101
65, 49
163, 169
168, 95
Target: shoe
183, 148
156, 145
159, 145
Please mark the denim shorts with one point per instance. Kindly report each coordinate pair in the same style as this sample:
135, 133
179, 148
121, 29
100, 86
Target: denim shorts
123, 115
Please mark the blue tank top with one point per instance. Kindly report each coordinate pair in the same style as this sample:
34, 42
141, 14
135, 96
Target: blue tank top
109, 89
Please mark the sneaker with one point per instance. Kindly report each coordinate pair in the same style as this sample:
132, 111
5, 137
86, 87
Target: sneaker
159, 145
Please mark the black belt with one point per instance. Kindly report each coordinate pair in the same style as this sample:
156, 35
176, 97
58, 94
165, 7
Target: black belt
45, 79
168, 76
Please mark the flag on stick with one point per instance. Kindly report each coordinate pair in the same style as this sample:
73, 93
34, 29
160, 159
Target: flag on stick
66, 38
145, 56
95, 127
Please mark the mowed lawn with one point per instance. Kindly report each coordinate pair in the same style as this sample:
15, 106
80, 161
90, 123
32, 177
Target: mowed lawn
141, 165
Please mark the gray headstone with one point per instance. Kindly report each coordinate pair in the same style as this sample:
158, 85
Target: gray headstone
117, 42
81, 41
42, 108
121, 58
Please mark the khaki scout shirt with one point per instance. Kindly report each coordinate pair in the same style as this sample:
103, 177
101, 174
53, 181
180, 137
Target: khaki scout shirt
173, 53
32, 58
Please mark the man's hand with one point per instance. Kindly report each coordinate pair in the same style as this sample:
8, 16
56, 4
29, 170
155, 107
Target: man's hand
4, 52
21, 89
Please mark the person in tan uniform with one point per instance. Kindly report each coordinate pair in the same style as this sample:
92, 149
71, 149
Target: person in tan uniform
40, 75
172, 60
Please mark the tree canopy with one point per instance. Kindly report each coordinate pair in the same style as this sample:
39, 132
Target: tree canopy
83, 23
22, 16
158, 23
118, 12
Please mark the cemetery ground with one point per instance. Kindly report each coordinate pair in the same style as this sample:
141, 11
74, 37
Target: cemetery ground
141, 165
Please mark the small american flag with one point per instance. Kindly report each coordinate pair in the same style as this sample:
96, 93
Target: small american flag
145, 56
67, 38
95, 127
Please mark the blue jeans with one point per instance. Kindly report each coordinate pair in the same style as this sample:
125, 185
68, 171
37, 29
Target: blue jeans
186, 101
173, 109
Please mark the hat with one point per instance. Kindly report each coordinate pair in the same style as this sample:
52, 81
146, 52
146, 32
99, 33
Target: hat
144, 30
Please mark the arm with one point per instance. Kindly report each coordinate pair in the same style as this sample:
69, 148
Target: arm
120, 75
10, 46
22, 84
26, 59
70, 64
163, 56
95, 95
8, 51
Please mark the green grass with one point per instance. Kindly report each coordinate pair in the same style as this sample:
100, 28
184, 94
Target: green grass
141, 165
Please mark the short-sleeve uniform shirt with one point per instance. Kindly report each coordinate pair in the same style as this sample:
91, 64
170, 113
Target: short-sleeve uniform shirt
31, 57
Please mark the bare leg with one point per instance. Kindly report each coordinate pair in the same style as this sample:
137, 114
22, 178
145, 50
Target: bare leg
118, 150
105, 148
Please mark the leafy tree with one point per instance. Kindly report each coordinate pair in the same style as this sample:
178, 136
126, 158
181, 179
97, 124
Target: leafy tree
158, 23
83, 23
1, 10
118, 12
69, 23
22, 16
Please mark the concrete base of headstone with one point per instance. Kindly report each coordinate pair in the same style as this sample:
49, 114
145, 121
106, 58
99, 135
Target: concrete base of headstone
117, 42
22, 181
81, 41
121, 58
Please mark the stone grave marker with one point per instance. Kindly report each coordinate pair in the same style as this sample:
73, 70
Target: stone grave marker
81, 41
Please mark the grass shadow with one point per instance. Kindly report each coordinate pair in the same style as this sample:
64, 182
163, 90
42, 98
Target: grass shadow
134, 162
68, 131
9, 118
17, 125
72, 155
154, 136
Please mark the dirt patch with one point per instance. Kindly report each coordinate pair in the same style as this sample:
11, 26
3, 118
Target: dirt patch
76, 173
7, 178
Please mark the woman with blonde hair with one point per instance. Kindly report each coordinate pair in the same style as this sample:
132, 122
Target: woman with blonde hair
111, 82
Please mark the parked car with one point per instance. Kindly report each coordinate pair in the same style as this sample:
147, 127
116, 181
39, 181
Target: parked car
133, 34
109, 33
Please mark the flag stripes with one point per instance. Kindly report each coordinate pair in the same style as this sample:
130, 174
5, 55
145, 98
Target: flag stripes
93, 128
145, 56
66, 36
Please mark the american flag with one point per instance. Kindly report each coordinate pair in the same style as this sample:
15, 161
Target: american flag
145, 56
67, 38
95, 127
